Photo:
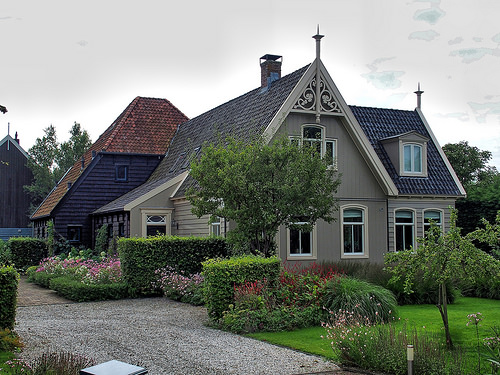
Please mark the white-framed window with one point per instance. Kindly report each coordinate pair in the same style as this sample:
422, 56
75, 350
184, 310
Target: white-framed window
156, 222
314, 136
216, 226
436, 216
412, 158
121, 173
301, 244
404, 222
354, 231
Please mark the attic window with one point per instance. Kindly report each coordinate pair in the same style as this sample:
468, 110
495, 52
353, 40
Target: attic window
314, 136
178, 163
187, 161
412, 158
121, 173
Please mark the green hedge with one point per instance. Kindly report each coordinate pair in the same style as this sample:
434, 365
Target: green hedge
40, 278
75, 290
27, 251
140, 257
222, 274
9, 280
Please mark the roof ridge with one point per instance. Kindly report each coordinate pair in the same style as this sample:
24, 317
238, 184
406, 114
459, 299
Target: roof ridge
380, 108
119, 122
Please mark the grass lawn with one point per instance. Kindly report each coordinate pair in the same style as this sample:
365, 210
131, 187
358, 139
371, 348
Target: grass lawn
309, 340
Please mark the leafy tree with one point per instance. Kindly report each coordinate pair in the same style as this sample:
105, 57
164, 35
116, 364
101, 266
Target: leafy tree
470, 163
50, 160
41, 163
261, 186
72, 150
444, 257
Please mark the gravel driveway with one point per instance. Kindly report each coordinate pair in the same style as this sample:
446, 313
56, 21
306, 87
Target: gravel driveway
164, 336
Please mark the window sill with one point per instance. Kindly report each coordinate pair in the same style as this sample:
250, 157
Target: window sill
301, 257
354, 256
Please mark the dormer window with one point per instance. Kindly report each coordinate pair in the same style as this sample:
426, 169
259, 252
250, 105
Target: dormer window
121, 173
408, 153
412, 155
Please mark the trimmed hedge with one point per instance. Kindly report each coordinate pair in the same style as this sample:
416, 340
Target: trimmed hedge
9, 280
40, 278
27, 251
220, 276
75, 290
141, 257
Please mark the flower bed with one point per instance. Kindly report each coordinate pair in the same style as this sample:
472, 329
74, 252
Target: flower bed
81, 279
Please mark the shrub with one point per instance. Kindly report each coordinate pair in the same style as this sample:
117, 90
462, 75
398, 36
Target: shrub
382, 347
27, 251
5, 254
141, 257
9, 280
371, 301
74, 290
51, 363
222, 274
295, 302
9, 340
174, 285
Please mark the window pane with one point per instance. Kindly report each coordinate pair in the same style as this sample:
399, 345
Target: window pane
305, 242
353, 215
432, 215
417, 158
154, 230
294, 241
312, 132
121, 173
408, 236
358, 238
404, 217
407, 158
348, 239
330, 151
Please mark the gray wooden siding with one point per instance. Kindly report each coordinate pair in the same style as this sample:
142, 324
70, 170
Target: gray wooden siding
418, 206
189, 224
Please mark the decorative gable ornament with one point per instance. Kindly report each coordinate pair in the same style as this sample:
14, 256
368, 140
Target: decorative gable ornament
307, 100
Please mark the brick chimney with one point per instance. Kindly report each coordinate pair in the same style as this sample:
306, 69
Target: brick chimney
270, 69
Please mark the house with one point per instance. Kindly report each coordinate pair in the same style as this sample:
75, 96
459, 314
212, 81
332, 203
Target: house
14, 201
395, 177
121, 159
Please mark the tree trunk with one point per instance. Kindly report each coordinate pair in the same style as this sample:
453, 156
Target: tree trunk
443, 310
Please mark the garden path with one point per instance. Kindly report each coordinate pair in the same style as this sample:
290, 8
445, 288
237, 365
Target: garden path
40, 323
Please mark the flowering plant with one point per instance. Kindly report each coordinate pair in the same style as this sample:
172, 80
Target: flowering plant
179, 287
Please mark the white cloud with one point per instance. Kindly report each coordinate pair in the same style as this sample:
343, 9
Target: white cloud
483, 110
469, 55
430, 16
427, 35
457, 40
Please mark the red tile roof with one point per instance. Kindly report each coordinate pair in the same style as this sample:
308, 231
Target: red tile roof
146, 126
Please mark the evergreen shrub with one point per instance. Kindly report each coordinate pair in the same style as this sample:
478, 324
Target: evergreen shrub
9, 280
222, 275
141, 257
74, 290
26, 252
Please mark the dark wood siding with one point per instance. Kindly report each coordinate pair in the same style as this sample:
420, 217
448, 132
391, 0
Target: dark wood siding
14, 174
97, 187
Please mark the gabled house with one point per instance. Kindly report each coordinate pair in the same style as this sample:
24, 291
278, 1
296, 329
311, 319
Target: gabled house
14, 201
395, 177
121, 159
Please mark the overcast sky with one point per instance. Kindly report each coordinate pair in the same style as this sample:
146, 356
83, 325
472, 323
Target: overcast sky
85, 61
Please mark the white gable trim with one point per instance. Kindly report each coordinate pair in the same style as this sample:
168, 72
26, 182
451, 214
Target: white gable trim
441, 152
8, 138
150, 194
350, 122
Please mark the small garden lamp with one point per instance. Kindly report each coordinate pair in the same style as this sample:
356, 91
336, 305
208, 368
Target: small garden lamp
409, 357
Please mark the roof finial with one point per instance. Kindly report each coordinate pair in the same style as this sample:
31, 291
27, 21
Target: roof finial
318, 43
419, 96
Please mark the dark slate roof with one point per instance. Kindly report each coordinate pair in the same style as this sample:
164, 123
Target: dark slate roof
242, 117
379, 123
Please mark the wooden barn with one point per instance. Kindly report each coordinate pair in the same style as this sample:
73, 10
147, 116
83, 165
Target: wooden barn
121, 159
14, 202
